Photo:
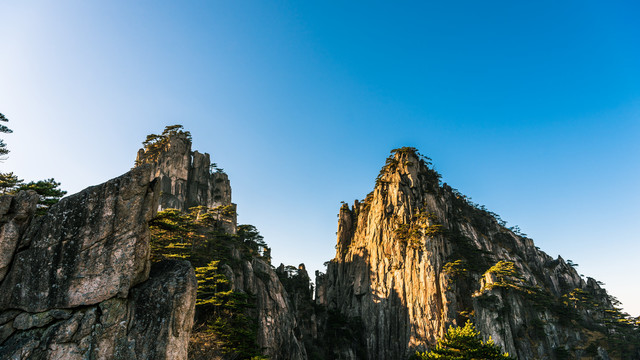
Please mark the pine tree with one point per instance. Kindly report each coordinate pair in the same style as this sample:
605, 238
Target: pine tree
464, 343
5, 130
49, 193
9, 182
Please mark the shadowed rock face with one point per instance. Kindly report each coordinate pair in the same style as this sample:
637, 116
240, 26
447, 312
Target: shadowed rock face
389, 272
278, 333
174, 285
16, 213
153, 323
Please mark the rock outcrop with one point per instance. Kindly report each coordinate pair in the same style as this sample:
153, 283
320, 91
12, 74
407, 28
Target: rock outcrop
77, 282
90, 247
278, 333
413, 258
416, 257
187, 178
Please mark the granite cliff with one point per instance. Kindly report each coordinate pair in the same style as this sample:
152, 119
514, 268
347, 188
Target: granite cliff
416, 257
104, 274
191, 184
79, 283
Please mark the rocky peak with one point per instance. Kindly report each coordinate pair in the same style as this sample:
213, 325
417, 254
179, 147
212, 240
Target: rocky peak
416, 256
187, 178
77, 282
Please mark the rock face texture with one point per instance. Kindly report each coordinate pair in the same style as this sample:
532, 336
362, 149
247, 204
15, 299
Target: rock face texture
90, 247
278, 333
416, 257
186, 178
77, 282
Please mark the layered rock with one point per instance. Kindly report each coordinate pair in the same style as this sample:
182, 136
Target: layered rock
416, 257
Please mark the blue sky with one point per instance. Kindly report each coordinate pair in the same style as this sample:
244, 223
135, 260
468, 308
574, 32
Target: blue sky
532, 109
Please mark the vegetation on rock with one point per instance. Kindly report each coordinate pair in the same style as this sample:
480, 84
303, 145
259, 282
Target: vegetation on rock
4, 130
225, 321
464, 343
155, 144
48, 190
49, 193
422, 225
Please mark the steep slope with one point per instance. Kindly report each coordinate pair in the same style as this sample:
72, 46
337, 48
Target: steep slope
186, 178
416, 257
202, 193
77, 283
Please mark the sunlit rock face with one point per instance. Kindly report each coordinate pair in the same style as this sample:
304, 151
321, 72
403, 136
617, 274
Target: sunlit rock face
395, 273
186, 177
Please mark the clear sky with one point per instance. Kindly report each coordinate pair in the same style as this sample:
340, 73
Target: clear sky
530, 108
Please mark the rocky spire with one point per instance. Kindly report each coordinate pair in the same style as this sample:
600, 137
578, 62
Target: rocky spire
187, 178
416, 256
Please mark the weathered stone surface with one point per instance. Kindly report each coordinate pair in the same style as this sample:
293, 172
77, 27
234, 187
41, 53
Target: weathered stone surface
186, 178
89, 247
389, 272
15, 215
26, 321
162, 310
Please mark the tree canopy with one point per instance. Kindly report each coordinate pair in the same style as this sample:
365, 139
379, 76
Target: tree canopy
48, 190
464, 343
154, 144
49, 193
5, 130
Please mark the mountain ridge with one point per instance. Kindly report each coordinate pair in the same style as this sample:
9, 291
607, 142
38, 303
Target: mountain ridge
97, 277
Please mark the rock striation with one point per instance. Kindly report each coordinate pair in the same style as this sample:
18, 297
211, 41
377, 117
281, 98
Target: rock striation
187, 178
77, 282
278, 333
416, 257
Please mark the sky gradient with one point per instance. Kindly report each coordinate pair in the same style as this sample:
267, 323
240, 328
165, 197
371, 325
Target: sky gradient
532, 109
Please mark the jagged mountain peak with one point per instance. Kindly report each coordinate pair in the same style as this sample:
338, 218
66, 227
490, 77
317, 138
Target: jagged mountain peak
407, 166
416, 256
187, 178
